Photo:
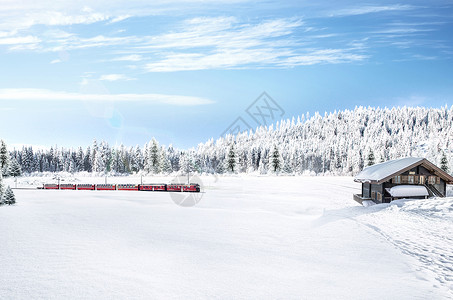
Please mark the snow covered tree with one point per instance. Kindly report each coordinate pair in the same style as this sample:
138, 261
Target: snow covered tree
14, 168
231, 162
136, 159
94, 150
79, 160
87, 166
8, 196
154, 157
165, 162
186, 163
370, 158
276, 162
4, 158
99, 163
1, 187
444, 162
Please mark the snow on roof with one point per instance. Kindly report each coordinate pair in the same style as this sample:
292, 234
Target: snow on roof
380, 171
408, 191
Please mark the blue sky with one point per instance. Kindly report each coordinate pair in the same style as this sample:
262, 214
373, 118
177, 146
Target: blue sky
184, 71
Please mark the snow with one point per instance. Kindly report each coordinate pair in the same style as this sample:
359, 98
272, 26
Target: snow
408, 191
248, 237
380, 171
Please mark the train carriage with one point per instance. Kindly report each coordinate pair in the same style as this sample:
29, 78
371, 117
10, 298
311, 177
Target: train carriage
175, 187
86, 187
191, 187
105, 187
153, 187
127, 187
67, 186
51, 187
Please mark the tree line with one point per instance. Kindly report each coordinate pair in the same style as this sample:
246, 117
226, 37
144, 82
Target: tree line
338, 143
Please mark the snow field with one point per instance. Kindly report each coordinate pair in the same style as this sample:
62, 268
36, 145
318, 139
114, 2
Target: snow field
249, 237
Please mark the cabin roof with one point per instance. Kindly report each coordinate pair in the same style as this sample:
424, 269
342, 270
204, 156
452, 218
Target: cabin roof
382, 172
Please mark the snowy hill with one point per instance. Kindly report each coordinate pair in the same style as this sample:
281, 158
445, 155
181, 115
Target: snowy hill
249, 237
339, 143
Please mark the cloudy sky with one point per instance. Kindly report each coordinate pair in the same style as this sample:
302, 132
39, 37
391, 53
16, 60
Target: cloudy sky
184, 71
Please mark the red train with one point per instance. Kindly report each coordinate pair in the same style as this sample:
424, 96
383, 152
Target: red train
173, 187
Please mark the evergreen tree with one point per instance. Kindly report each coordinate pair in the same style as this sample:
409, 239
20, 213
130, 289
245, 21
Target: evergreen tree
186, 163
276, 163
231, 162
444, 162
165, 162
79, 159
14, 168
220, 168
370, 158
94, 150
154, 157
8, 196
4, 158
1, 188
87, 166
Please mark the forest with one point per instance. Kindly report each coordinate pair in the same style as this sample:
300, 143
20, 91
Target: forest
337, 143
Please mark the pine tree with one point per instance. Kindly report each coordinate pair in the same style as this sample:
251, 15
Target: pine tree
276, 163
8, 196
94, 151
87, 166
186, 162
155, 157
370, 158
4, 158
1, 188
79, 159
14, 168
444, 162
231, 163
165, 162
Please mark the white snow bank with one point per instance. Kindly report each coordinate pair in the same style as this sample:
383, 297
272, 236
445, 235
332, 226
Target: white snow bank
408, 191
367, 203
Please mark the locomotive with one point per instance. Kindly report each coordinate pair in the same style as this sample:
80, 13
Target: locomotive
172, 187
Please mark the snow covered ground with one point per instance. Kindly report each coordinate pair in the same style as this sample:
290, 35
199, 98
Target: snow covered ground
248, 237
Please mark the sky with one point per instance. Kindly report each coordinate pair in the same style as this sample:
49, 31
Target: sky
185, 71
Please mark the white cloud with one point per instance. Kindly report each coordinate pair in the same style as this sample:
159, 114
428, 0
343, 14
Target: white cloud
119, 18
56, 61
27, 13
133, 57
19, 40
324, 56
235, 45
114, 77
50, 95
368, 9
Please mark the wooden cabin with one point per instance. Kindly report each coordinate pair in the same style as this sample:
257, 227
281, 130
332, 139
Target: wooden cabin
408, 177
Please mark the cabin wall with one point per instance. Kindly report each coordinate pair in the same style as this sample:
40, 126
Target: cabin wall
377, 192
366, 191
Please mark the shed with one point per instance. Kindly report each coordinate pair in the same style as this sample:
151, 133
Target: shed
402, 178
